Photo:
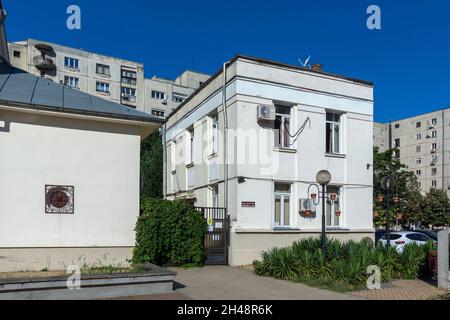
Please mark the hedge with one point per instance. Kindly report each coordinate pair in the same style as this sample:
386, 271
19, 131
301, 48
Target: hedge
169, 233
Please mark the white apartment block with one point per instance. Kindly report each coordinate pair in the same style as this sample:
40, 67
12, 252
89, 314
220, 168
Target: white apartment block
424, 144
284, 124
114, 79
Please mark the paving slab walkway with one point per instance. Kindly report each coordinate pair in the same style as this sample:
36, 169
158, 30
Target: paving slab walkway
231, 283
402, 290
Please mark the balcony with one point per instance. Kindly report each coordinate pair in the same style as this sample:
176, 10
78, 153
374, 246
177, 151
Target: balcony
43, 63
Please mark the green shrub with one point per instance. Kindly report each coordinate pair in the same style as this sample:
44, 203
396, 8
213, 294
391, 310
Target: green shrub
169, 232
346, 263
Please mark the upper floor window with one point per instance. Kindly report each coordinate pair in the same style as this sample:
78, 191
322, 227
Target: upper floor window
418, 149
434, 134
433, 184
71, 81
16, 54
129, 77
418, 173
433, 121
396, 143
102, 87
103, 69
418, 124
434, 146
190, 146
418, 160
178, 98
333, 133
71, 63
214, 134
158, 95
282, 210
128, 94
433, 171
282, 126
418, 136
397, 125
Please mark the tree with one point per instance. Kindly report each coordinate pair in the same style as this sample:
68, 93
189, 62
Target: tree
152, 166
436, 208
406, 188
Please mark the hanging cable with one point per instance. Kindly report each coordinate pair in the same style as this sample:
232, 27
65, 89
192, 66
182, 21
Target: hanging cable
299, 131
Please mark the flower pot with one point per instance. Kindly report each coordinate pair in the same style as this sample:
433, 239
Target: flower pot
338, 213
308, 213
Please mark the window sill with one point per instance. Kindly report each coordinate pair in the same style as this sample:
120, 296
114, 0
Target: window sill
103, 93
104, 75
337, 229
173, 171
285, 150
190, 165
285, 230
72, 69
335, 155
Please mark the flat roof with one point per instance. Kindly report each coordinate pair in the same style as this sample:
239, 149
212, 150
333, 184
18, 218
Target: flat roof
22, 89
269, 62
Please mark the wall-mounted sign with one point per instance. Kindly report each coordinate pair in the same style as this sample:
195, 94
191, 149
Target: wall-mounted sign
248, 204
59, 199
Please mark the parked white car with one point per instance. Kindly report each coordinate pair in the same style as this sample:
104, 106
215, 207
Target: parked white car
401, 238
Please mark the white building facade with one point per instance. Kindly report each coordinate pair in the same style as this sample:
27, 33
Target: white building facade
321, 121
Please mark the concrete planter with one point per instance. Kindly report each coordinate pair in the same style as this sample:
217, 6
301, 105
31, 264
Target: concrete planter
153, 280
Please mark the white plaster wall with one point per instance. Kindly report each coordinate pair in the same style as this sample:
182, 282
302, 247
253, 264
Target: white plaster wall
101, 160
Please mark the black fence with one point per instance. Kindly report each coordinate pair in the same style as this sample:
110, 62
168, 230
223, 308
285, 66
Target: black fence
217, 236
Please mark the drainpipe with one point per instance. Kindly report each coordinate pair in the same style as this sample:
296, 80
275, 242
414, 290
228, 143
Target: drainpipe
164, 160
225, 133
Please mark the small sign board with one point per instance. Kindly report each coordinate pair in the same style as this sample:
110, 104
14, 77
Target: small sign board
248, 204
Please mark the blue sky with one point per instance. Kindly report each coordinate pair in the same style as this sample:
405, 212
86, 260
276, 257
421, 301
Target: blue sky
408, 59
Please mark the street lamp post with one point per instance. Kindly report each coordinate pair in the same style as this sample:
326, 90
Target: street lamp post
323, 178
387, 184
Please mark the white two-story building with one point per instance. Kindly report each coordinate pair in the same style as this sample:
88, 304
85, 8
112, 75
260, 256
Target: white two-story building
282, 124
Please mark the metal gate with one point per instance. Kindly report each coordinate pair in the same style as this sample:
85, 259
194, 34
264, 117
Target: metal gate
217, 235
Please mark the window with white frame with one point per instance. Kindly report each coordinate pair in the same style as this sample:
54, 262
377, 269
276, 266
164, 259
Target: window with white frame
214, 134
434, 146
174, 182
433, 171
418, 136
190, 146
433, 159
434, 134
102, 87
159, 95
158, 113
333, 207
418, 173
178, 98
282, 126
282, 210
418, 149
333, 133
433, 183
128, 94
215, 196
418, 160
71, 81
434, 121
129, 77
71, 63
173, 150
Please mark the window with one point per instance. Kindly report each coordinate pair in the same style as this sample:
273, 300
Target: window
128, 92
71, 81
418, 160
392, 237
417, 237
433, 171
434, 134
158, 95
16, 54
282, 126
418, 124
397, 125
190, 146
178, 98
174, 182
396, 143
282, 205
418, 172
103, 69
433, 160
418, 149
433, 121
333, 133
433, 183
102, 87
158, 113
129, 77
215, 134
215, 196
71, 62
173, 158
418, 136
333, 219
434, 146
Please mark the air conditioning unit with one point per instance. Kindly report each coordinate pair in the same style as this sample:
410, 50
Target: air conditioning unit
266, 112
164, 101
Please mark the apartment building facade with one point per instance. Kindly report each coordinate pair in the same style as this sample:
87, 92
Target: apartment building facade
283, 125
118, 80
381, 136
423, 142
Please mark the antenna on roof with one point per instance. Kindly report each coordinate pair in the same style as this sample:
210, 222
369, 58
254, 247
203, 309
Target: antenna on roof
306, 63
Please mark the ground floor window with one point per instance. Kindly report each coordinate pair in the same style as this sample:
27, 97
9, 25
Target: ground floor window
333, 208
282, 205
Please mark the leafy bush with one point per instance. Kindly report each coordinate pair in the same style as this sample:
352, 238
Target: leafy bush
345, 263
169, 232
